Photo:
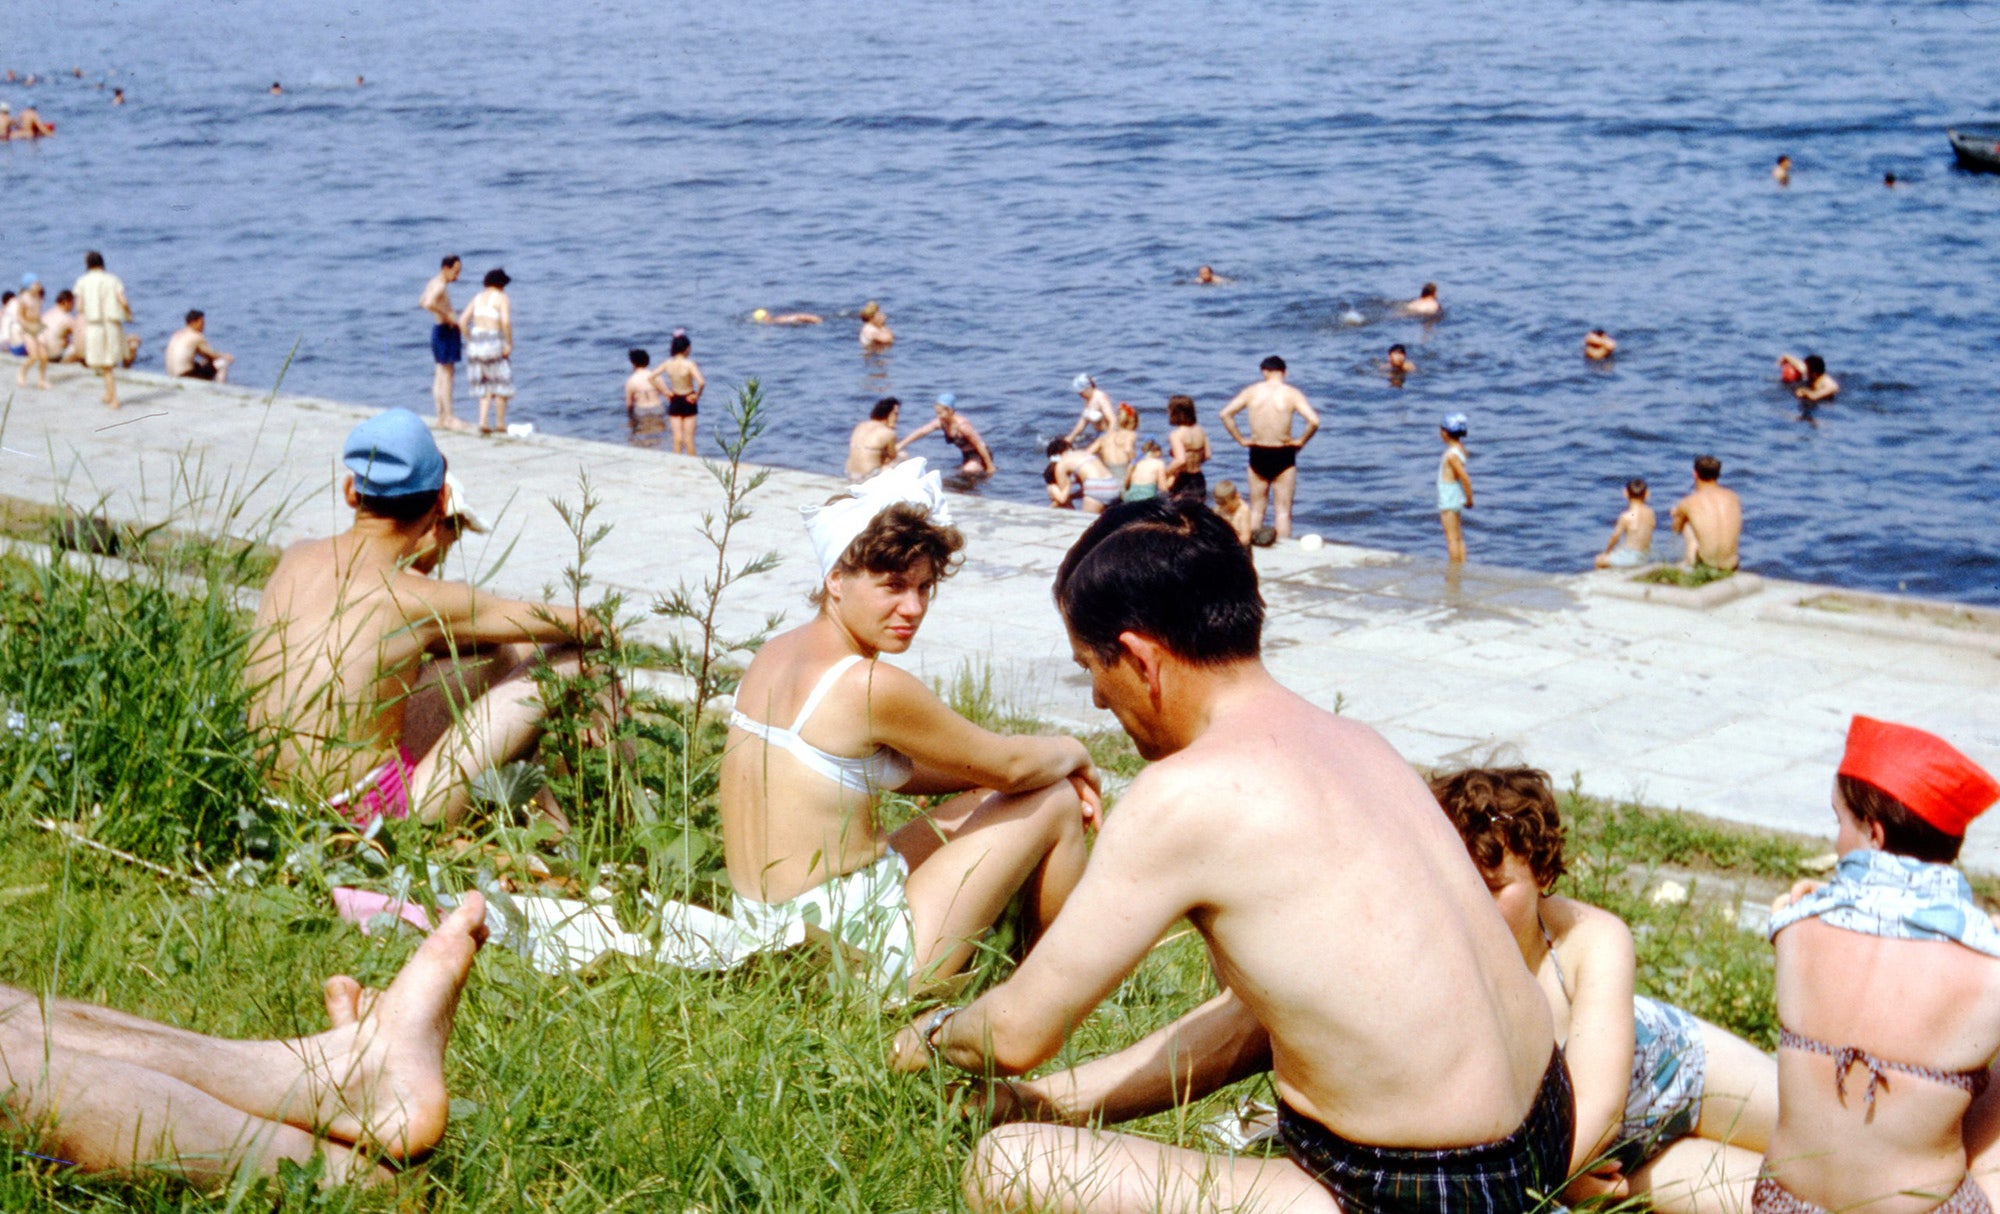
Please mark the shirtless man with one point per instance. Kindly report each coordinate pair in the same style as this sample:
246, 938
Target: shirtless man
1274, 453
1631, 542
976, 459
1097, 408
1399, 365
682, 381
1814, 384
59, 330
447, 343
28, 124
645, 411
872, 446
189, 355
1316, 866
115, 1093
356, 717
1710, 519
1782, 171
1426, 303
1207, 277
875, 332
1598, 345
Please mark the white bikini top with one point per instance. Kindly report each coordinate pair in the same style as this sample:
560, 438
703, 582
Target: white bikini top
882, 768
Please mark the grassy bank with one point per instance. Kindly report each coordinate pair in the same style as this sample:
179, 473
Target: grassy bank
634, 1087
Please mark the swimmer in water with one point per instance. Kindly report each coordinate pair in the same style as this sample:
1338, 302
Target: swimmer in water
1889, 180
1352, 317
1598, 345
1097, 412
976, 459
277, 89
875, 332
1815, 385
1399, 365
763, 317
1207, 277
642, 396
1782, 172
118, 96
1426, 303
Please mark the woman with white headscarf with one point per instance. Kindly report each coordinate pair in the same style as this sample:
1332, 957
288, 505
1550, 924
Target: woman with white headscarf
822, 727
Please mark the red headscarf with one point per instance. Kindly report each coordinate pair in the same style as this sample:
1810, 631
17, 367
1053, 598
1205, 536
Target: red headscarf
1921, 770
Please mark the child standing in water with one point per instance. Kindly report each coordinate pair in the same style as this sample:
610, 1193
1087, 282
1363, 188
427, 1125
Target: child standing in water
1454, 485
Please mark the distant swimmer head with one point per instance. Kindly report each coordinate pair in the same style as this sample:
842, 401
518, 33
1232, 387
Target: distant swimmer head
1273, 363
1205, 274
1430, 291
1889, 179
1353, 316
1815, 367
1636, 488
680, 345
947, 400
1455, 424
1082, 383
760, 315
871, 310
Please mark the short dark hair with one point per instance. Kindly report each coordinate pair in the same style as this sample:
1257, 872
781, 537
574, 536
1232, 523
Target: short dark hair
894, 541
680, 344
1167, 568
193, 315
1430, 288
93, 260
1501, 810
1707, 467
1398, 349
497, 278
400, 507
1273, 363
1180, 411
1636, 487
883, 408
639, 357
65, 296
1057, 446
1815, 367
450, 260
6, 297
1903, 832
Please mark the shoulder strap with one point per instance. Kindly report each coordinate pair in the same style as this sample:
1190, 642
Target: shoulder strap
825, 684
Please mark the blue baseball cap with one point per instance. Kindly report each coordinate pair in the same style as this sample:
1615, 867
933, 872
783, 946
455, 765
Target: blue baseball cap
948, 400
1454, 424
393, 454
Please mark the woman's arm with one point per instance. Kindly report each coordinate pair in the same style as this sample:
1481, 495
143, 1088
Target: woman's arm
907, 716
1600, 1046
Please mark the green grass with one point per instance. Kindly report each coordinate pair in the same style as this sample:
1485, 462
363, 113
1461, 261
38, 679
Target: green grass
636, 1087
1691, 579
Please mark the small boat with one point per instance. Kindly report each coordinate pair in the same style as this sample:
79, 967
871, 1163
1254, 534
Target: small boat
1978, 147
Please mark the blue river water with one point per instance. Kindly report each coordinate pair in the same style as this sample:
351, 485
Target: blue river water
1027, 190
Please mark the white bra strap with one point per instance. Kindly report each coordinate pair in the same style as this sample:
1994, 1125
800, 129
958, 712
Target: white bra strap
825, 684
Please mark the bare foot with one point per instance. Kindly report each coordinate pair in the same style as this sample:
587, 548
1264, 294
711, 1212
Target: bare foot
347, 1001
387, 1065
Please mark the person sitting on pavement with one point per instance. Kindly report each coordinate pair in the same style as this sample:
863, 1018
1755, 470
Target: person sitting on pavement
1360, 959
822, 727
1081, 479
1631, 542
1667, 1105
1709, 520
1888, 993
113, 1093
189, 355
384, 691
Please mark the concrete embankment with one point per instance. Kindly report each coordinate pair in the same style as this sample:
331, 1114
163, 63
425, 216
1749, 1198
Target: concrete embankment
1735, 709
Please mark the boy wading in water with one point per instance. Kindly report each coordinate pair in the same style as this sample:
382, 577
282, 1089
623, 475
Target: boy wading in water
1454, 485
1360, 959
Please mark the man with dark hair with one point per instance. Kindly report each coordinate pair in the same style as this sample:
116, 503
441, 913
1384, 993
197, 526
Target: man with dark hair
1710, 519
1360, 957
189, 355
356, 716
103, 309
447, 342
1274, 453
872, 446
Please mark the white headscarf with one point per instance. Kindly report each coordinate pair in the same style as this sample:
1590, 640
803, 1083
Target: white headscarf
834, 526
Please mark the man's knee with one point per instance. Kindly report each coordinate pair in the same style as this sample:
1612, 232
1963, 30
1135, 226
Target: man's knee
996, 1174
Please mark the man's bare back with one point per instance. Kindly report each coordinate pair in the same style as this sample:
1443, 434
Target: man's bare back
872, 445
1711, 520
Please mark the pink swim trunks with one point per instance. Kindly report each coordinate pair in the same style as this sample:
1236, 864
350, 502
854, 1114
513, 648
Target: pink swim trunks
382, 793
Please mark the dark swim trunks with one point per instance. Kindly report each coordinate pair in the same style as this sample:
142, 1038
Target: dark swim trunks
203, 367
682, 406
446, 345
1191, 485
1268, 462
1520, 1173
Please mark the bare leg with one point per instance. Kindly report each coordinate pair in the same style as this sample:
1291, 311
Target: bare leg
1454, 536
959, 884
1283, 488
441, 388
500, 413
116, 1091
1739, 1102
1260, 492
110, 389
485, 414
1698, 1176
1046, 1167
502, 723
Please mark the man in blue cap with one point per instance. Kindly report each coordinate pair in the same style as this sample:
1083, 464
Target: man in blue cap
344, 626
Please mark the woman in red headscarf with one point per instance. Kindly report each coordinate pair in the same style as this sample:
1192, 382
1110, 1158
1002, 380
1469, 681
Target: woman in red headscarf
1888, 992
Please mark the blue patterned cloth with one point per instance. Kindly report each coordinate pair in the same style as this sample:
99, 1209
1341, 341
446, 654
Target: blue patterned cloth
1897, 897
